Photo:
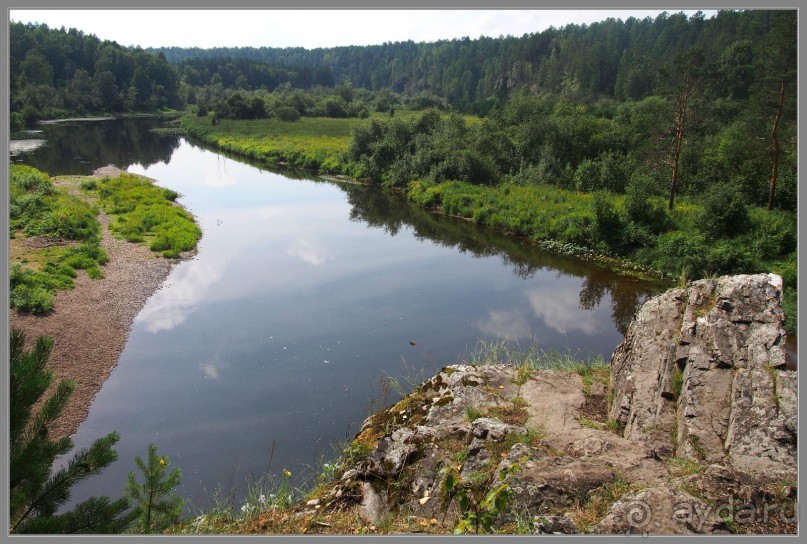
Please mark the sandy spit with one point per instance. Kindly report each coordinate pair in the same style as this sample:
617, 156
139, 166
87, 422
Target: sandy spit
90, 323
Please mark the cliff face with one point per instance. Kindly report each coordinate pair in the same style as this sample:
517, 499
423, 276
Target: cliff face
700, 375
692, 430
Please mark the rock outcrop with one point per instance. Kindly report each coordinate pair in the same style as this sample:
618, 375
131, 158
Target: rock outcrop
692, 429
700, 375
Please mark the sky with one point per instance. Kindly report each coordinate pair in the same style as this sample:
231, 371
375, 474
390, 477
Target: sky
311, 28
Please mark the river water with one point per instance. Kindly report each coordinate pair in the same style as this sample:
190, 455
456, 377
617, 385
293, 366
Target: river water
269, 346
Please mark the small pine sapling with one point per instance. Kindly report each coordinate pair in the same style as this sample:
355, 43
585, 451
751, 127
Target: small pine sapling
35, 493
157, 506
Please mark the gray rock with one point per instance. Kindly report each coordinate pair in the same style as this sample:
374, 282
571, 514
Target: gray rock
387, 459
373, 507
660, 511
555, 525
546, 484
494, 429
705, 362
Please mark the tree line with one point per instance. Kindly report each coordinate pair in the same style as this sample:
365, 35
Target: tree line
613, 58
58, 72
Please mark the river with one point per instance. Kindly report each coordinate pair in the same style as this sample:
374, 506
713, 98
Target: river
270, 346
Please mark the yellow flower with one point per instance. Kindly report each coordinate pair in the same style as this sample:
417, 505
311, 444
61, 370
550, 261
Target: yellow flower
286, 473
162, 460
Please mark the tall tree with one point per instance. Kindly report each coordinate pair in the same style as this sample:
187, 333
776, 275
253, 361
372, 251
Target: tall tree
779, 58
682, 83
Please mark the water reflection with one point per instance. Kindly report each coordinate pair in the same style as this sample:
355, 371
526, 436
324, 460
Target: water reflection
309, 252
79, 147
390, 212
169, 308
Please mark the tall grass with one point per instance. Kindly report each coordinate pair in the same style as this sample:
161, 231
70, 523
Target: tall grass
71, 233
494, 352
144, 212
316, 143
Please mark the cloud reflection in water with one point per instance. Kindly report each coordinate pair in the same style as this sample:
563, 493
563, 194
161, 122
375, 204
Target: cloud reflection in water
308, 252
557, 307
187, 286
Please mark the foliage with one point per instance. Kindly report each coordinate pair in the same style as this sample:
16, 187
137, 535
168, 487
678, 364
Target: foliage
38, 209
36, 491
156, 505
145, 212
584, 162
268, 493
724, 212
481, 497
57, 72
70, 234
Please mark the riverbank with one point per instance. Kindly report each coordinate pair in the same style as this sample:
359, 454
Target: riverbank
90, 323
630, 234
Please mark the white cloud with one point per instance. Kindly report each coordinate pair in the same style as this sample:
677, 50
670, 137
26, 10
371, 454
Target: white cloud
210, 371
219, 178
507, 325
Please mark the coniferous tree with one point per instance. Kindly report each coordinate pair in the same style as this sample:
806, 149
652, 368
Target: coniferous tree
35, 494
780, 74
683, 81
157, 506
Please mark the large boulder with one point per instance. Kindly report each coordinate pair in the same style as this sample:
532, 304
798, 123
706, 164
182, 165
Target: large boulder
701, 375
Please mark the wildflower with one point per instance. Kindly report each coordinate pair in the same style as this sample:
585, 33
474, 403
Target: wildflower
162, 461
286, 473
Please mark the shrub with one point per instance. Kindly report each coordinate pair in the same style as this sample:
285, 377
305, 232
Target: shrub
607, 224
677, 251
287, 113
640, 210
724, 213
774, 234
730, 256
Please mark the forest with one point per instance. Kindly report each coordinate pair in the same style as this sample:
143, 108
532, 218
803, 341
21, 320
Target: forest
667, 137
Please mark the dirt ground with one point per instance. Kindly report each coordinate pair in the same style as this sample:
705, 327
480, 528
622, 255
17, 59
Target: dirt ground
90, 323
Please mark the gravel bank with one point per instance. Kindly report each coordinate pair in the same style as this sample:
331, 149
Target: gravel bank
90, 323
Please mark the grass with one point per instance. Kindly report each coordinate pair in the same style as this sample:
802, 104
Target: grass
316, 143
53, 235
144, 212
591, 510
677, 384
681, 466
594, 369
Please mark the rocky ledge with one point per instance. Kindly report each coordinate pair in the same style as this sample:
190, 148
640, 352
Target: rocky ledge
691, 430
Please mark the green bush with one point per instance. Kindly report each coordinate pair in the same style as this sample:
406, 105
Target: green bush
724, 213
607, 223
287, 114
640, 209
730, 256
677, 251
774, 233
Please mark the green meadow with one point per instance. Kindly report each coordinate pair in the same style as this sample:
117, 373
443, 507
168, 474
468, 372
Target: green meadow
54, 233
